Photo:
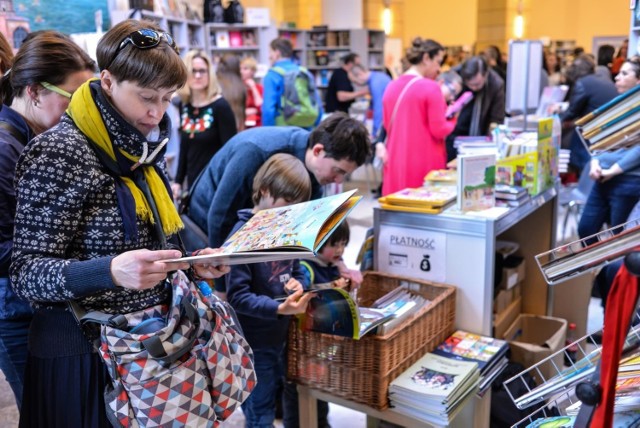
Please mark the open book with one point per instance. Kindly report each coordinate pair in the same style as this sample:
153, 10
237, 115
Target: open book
333, 311
292, 232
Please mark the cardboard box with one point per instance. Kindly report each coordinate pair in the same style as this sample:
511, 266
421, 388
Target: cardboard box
513, 275
536, 170
532, 338
502, 300
503, 320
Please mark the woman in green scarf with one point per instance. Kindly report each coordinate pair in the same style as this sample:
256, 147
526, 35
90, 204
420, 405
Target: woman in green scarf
94, 213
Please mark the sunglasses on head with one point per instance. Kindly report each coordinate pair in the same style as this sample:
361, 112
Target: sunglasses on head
145, 39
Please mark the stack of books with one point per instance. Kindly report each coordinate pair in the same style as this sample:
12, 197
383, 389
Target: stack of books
614, 125
441, 177
434, 389
487, 352
427, 199
510, 196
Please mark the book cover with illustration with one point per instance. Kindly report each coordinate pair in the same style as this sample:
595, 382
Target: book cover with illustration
290, 232
427, 199
463, 346
235, 39
222, 39
436, 377
476, 180
333, 311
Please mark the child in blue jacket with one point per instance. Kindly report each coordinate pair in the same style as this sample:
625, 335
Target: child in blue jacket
251, 289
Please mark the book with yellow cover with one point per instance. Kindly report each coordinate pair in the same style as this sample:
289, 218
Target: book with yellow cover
422, 197
444, 176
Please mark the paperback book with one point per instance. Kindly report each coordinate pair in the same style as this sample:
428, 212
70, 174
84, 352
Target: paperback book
476, 180
483, 350
434, 388
291, 232
435, 378
222, 39
427, 199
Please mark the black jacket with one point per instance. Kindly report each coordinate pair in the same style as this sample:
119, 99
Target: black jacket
492, 111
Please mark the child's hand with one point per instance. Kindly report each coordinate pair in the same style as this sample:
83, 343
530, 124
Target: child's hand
343, 283
295, 303
354, 276
292, 286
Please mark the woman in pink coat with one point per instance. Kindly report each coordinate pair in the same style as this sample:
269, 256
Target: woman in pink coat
415, 141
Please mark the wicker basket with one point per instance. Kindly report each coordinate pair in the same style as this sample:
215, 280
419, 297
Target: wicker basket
360, 370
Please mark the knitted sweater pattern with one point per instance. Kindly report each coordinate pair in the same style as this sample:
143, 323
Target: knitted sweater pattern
68, 224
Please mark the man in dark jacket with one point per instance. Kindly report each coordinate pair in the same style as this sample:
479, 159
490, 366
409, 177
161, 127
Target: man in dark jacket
487, 108
588, 92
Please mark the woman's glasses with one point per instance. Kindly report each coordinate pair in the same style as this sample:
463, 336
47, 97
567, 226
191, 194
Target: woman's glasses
57, 90
200, 71
145, 39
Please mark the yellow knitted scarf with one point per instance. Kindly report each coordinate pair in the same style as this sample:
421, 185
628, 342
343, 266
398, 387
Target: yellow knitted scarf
85, 114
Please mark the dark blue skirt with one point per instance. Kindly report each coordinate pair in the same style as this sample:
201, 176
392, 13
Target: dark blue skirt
64, 379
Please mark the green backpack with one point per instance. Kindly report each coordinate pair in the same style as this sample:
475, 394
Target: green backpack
299, 105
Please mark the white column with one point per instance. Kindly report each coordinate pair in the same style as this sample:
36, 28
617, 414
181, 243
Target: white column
342, 14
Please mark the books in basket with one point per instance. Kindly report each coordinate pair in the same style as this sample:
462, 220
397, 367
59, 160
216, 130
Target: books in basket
290, 232
434, 387
333, 311
402, 304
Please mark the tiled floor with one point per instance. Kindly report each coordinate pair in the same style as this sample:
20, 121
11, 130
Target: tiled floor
360, 220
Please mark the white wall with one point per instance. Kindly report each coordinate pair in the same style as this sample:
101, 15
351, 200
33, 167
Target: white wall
342, 14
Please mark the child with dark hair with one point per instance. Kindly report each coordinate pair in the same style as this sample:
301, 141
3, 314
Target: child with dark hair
321, 272
282, 180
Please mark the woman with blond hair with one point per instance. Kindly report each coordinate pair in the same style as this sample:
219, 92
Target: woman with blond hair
206, 119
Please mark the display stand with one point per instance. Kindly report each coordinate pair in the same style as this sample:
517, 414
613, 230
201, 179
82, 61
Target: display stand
467, 258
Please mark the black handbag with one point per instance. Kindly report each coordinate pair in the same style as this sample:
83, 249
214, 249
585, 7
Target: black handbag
234, 13
213, 11
192, 236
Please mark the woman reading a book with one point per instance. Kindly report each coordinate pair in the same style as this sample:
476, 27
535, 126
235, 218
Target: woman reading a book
414, 117
94, 211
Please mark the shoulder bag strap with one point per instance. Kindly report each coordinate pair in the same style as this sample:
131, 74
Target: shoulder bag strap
395, 108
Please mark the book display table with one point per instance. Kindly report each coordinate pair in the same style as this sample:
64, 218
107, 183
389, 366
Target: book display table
459, 249
476, 410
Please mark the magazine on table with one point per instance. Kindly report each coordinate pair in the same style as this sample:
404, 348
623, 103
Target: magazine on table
292, 232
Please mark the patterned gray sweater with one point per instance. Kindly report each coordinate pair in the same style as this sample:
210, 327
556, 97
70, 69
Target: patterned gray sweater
68, 228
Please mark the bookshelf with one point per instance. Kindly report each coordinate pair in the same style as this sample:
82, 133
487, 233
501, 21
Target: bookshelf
564, 50
240, 39
297, 37
325, 48
187, 33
